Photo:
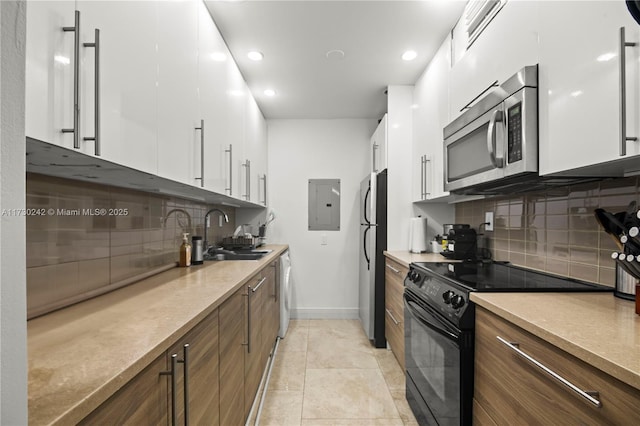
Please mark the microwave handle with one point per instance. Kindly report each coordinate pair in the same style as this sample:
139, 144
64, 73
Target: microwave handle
497, 116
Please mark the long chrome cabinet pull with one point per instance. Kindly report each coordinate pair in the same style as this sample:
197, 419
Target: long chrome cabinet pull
427, 160
185, 361
201, 178
590, 396
623, 93
172, 373
263, 178
230, 151
96, 106
422, 177
248, 296
393, 269
259, 284
247, 170
392, 317
76, 81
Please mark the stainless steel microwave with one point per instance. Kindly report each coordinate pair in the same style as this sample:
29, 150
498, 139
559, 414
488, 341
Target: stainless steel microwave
494, 144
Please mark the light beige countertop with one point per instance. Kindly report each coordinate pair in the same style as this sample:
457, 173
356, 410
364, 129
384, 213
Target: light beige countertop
81, 355
598, 328
406, 257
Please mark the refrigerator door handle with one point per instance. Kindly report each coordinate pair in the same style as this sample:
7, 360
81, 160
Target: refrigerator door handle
364, 243
366, 197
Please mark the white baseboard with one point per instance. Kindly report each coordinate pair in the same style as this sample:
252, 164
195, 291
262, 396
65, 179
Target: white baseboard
325, 313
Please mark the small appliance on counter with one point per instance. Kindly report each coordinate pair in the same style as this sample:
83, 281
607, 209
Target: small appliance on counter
418, 235
461, 243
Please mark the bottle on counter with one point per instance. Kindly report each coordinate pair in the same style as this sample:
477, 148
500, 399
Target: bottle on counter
185, 251
197, 251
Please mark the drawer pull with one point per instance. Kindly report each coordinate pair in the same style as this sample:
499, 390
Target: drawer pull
392, 317
590, 396
393, 269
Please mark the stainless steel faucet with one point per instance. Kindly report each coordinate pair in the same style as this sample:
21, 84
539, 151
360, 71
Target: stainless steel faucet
206, 222
178, 210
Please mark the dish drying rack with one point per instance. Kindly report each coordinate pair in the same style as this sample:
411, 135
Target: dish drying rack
239, 243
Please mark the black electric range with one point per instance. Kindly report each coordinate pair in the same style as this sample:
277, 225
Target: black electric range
439, 329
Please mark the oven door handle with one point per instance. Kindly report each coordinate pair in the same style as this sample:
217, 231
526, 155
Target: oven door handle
424, 321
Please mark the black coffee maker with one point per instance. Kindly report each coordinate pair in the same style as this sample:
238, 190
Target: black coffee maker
462, 244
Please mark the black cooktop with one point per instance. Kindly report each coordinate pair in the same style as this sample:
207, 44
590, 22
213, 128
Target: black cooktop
504, 277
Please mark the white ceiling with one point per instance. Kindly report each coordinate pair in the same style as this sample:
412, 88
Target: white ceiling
296, 35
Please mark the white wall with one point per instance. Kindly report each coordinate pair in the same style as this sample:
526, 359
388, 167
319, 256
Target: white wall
325, 276
13, 305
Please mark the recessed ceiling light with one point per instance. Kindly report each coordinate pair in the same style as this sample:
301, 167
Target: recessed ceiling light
335, 54
255, 55
606, 57
270, 92
409, 55
576, 93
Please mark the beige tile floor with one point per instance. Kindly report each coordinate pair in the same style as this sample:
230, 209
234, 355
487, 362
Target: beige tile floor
327, 373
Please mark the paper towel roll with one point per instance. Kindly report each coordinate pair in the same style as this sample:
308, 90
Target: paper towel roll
418, 235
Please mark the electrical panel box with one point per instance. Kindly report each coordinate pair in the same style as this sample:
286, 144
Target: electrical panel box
324, 204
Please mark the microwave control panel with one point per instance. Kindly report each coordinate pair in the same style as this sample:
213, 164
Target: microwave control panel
514, 133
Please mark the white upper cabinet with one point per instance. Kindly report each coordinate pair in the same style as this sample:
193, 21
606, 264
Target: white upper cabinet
256, 151
50, 66
178, 112
580, 85
430, 115
379, 147
507, 44
128, 75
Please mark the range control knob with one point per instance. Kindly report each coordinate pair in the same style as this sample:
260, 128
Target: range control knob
447, 296
414, 276
457, 302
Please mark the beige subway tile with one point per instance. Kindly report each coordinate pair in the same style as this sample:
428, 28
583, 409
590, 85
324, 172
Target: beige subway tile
557, 237
535, 262
616, 203
584, 222
517, 234
557, 206
618, 186
583, 272
93, 274
607, 276
584, 255
584, 239
557, 266
517, 246
517, 258
604, 258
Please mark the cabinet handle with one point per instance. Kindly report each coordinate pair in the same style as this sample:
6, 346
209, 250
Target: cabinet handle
589, 396
427, 161
375, 148
259, 284
96, 106
623, 94
496, 117
492, 85
264, 188
247, 171
172, 373
392, 317
185, 362
230, 151
393, 269
76, 81
422, 177
248, 342
201, 178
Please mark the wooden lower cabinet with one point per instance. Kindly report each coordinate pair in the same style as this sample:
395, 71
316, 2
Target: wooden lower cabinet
394, 307
227, 354
254, 357
232, 347
142, 401
511, 390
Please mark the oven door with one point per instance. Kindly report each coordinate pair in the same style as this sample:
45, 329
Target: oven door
439, 365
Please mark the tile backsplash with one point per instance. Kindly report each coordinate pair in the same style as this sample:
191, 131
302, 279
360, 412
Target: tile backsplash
555, 230
75, 251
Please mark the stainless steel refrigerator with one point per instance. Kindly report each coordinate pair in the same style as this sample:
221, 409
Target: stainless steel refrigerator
373, 241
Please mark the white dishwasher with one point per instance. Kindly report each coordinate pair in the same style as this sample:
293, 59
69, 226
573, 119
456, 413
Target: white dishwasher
286, 283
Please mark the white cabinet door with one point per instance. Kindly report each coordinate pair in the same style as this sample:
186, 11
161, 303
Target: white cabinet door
430, 115
379, 147
256, 150
507, 44
235, 127
49, 71
580, 85
178, 112
213, 60
128, 79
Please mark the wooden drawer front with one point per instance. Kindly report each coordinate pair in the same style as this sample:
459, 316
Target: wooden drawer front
514, 391
480, 416
394, 308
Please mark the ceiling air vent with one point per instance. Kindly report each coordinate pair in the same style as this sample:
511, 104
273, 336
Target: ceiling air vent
478, 14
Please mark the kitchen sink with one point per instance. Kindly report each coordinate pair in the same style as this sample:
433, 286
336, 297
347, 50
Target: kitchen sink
221, 254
